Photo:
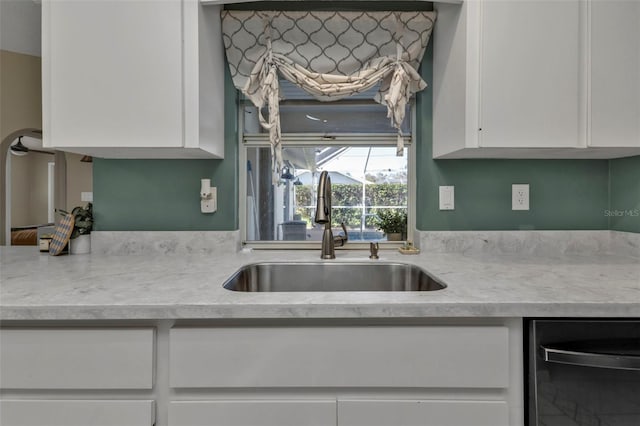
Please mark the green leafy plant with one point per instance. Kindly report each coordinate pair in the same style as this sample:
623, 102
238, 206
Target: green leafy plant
83, 220
377, 194
392, 221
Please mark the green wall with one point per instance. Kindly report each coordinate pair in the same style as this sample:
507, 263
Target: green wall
624, 211
163, 195
564, 194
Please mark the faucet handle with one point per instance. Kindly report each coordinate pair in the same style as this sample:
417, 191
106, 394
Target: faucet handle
373, 249
341, 240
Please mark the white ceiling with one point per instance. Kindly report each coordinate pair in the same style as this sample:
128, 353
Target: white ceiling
20, 26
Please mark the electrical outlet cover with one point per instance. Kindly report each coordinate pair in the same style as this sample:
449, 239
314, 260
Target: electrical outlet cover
211, 205
520, 197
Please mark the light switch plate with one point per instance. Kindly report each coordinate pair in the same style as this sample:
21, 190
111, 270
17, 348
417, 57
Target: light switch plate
86, 196
520, 197
447, 198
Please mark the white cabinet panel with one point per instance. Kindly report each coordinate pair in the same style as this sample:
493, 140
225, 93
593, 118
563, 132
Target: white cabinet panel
422, 413
115, 73
537, 79
375, 356
253, 413
76, 413
615, 73
82, 358
133, 79
530, 74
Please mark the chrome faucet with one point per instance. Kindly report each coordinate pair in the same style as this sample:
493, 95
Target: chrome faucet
323, 216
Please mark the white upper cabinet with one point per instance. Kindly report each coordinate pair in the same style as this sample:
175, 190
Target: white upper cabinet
133, 79
536, 79
615, 73
529, 99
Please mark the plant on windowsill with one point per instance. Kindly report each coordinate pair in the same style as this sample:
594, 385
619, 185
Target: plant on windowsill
80, 242
393, 222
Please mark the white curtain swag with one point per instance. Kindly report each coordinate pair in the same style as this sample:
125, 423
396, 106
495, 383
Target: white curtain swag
330, 55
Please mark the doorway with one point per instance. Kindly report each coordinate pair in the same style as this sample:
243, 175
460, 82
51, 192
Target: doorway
33, 185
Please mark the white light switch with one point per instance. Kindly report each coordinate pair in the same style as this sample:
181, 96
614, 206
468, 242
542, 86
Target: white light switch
86, 196
520, 197
447, 198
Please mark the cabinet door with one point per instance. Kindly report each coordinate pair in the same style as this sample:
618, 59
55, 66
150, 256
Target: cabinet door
253, 413
422, 413
112, 73
76, 413
530, 74
615, 73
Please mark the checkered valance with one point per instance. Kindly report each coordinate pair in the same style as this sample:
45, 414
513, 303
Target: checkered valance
331, 55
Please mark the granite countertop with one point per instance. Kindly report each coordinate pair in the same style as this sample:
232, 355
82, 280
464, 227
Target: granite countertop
36, 286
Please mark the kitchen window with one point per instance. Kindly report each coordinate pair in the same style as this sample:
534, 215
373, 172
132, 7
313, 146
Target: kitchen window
309, 80
352, 139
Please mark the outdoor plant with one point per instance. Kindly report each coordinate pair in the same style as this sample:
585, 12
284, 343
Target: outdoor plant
83, 217
377, 194
392, 221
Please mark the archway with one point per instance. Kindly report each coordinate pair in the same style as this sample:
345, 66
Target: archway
60, 188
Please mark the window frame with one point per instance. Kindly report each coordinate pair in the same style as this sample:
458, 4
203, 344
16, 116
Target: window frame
251, 140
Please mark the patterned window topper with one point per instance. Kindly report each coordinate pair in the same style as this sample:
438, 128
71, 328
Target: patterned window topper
331, 55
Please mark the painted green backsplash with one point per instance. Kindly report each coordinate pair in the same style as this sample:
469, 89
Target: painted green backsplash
564, 194
624, 212
163, 195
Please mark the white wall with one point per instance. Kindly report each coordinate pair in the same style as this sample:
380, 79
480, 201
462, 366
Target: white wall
39, 200
79, 179
29, 189
20, 191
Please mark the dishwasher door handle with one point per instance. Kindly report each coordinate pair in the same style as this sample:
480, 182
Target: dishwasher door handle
619, 354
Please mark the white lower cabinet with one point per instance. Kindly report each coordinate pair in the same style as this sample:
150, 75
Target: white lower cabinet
458, 372
253, 413
77, 376
76, 413
422, 413
467, 373
352, 412
339, 356
76, 358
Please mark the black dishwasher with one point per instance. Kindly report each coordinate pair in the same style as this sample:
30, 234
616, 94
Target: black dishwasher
583, 372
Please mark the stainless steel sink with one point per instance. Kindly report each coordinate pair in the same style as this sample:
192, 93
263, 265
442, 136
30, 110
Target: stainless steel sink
331, 276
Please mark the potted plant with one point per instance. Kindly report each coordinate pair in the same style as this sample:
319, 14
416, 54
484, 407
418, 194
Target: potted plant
393, 222
80, 242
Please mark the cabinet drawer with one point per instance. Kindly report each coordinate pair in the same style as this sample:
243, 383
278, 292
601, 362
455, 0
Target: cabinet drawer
83, 358
253, 413
422, 413
350, 356
76, 413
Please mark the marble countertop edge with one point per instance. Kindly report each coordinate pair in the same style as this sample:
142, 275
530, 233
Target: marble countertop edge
324, 311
